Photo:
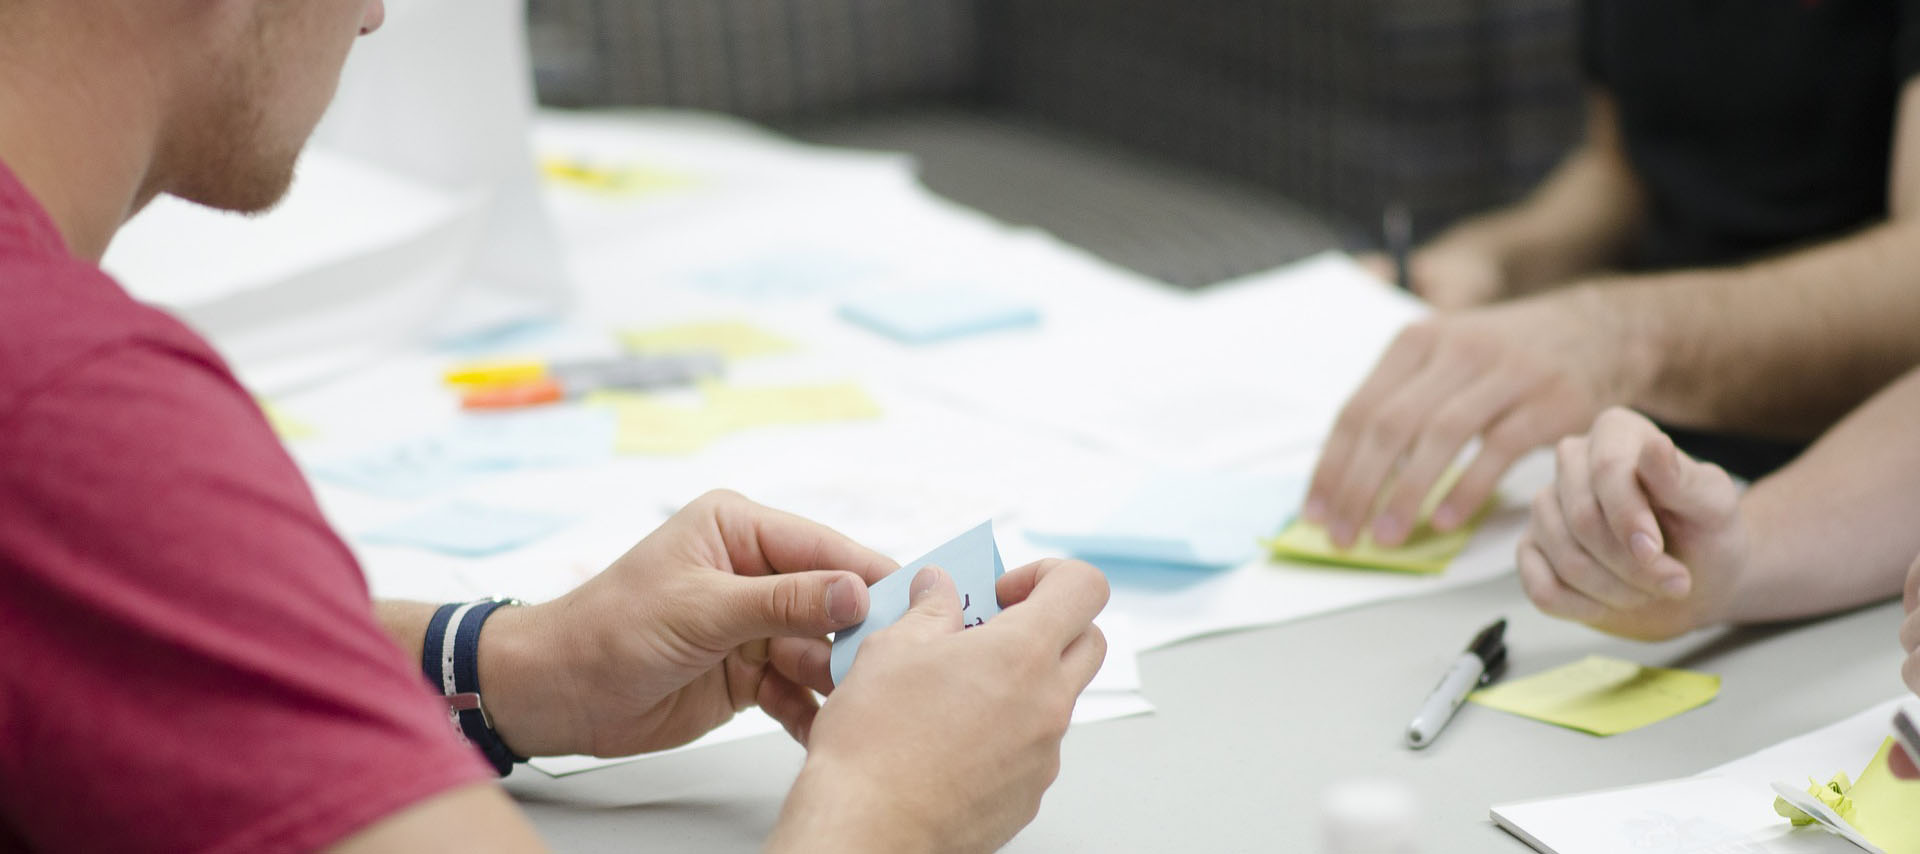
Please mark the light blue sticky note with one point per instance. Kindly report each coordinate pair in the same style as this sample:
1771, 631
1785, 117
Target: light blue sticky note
534, 438
929, 315
1186, 519
973, 559
788, 274
476, 445
415, 468
468, 530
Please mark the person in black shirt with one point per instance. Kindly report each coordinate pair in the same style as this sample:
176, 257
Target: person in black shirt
1734, 249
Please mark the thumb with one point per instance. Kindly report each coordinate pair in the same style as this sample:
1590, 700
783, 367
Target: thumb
800, 604
1681, 486
935, 605
1377, 264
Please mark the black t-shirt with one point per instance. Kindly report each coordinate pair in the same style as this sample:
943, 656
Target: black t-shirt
1756, 126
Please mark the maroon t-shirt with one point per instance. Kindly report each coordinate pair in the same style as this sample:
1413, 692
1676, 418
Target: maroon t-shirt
189, 659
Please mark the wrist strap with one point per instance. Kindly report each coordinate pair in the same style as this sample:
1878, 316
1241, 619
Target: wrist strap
451, 662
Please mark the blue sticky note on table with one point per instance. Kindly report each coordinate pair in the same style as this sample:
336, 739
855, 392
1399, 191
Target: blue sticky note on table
973, 559
415, 468
474, 446
546, 436
928, 315
468, 530
1188, 519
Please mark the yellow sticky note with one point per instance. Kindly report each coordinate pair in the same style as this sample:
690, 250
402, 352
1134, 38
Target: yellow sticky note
731, 339
620, 180
1426, 550
1601, 695
286, 426
1884, 808
753, 407
651, 427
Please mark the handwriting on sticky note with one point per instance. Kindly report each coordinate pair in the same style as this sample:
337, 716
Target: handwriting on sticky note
474, 446
972, 559
1426, 551
1602, 695
1880, 807
731, 339
468, 530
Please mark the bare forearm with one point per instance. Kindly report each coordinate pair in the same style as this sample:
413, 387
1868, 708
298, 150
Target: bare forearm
406, 623
1580, 220
1779, 348
1837, 527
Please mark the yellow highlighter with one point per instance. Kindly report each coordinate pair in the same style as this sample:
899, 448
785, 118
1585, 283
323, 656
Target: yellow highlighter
516, 384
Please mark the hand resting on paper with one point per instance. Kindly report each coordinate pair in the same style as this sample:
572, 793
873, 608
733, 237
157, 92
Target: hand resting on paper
1516, 376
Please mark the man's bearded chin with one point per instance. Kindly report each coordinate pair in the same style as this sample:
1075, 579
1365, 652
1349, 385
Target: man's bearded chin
230, 157
239, 179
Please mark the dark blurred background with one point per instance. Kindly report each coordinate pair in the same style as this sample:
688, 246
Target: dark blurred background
1190, 140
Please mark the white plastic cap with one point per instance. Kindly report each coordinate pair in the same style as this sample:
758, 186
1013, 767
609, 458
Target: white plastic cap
1370, 817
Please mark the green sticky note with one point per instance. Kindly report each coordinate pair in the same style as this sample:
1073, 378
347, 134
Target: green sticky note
731, 339
1426, 551
1883, 808
1602, 695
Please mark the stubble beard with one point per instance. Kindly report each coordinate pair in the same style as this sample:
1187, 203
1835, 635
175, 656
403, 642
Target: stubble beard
234, 158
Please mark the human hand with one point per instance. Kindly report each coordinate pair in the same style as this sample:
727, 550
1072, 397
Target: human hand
1448, 274
944, 740
1517, 376
1633, 537
678, 634
1903, 766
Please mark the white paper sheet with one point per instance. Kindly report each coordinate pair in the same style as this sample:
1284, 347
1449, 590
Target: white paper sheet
1727, 810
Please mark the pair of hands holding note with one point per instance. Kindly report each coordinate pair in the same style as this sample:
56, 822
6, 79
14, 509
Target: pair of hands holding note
936, 740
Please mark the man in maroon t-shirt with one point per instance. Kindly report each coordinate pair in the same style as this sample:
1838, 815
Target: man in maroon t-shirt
191, 661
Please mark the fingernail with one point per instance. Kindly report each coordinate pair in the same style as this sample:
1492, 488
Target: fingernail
1677, 585
926, 580
1316, 511
1644, 548
1389, 530
1343, 534
1445, 518
843, 602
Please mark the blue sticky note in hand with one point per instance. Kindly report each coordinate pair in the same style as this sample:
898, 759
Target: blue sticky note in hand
924, 316
467, 530
973, 559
